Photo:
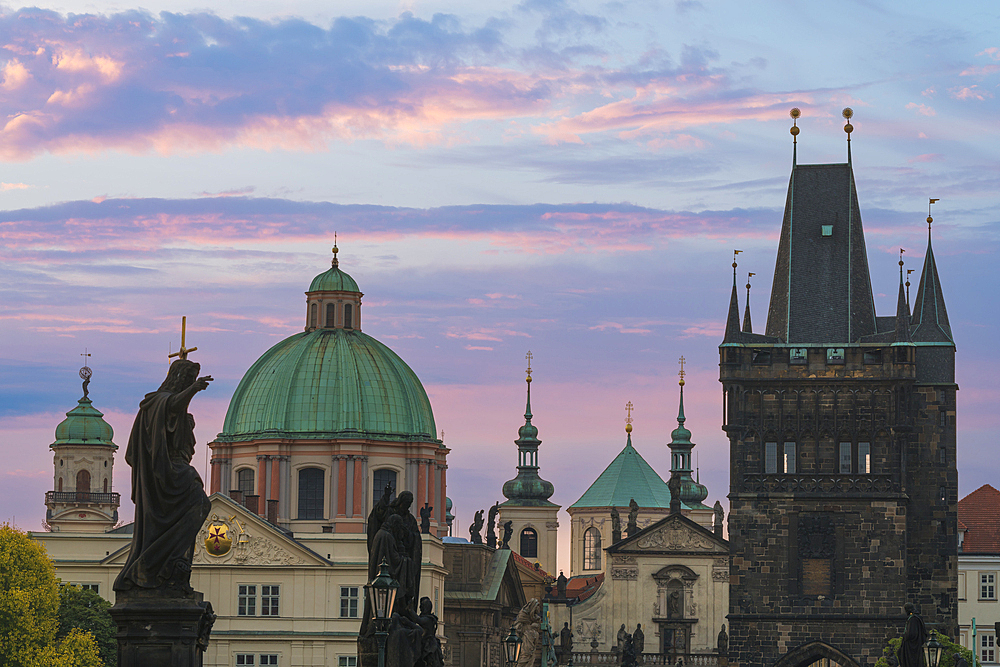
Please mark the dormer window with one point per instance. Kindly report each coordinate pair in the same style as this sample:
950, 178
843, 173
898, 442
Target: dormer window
348, 316
331, 315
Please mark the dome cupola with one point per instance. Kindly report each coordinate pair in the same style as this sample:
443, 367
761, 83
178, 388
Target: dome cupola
333, 300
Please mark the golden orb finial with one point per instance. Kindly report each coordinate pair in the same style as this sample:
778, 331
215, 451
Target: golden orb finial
847, 113
794, 113
628, 417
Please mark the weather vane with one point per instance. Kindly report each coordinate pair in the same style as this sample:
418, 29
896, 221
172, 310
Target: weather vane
929, 218
85, 373
335, 262
735, 252
183, 352
848, 113
628, 417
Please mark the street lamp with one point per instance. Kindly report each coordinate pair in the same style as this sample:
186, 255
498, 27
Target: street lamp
381, 592
511, 648
932, 650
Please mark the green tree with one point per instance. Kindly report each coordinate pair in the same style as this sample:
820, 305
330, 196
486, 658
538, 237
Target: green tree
949, 652
29, 609
86, 610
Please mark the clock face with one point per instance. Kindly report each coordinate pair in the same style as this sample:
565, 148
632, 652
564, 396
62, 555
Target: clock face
85, 373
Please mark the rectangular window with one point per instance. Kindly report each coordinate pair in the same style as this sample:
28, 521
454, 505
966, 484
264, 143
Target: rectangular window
244, 659
268, 659
770, 457
798, 355
864, 458
91, 587
961, 586
845, 457
834, 355
942, 419
347, 661
987, 590
247, 602
348, 601
269, 601
987, 646
788, 461
873, 356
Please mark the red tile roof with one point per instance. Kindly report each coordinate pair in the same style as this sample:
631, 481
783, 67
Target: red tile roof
582, 587
979, 512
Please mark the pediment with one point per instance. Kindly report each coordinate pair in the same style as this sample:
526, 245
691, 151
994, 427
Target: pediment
673, 534
233, 535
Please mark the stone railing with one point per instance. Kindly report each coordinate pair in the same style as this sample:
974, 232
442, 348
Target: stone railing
667, 659
72, 497
823, 484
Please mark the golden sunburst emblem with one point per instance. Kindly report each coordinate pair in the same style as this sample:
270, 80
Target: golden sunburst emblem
218, 542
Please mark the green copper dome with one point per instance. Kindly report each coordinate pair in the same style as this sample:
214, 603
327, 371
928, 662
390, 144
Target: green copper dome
84, 426
333, 280
329, 383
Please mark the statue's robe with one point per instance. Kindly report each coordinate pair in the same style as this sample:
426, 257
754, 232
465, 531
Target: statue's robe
911, 649
169, 496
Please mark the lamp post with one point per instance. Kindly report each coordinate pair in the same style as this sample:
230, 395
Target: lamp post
932, 650
381, 592
511, 648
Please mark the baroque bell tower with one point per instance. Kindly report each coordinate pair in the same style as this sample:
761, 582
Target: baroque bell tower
841, 423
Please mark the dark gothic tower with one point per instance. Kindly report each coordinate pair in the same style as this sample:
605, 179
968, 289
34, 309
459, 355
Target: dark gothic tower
843, 486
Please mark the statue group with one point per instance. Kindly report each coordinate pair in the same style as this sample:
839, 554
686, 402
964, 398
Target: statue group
630, 647
393, 536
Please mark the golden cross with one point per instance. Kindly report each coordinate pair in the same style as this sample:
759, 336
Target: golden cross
183, 352
682, 372
628, 412
85, 354
529, 358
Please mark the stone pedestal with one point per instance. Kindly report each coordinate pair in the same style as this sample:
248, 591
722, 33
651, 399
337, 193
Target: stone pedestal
156, 629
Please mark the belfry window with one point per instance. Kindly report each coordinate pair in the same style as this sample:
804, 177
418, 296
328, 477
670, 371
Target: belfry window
380, 478
770, 457
348, 323
529, 543
83, 481
244, 481
331, 315
311, 493
788, 461
592, 549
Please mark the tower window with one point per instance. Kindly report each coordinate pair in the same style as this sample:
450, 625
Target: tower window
592, 549
83, 481
244, 481
943, 418
348, 321
770, 457
864, 458
845, 457
835, 355
788, 461
331, 315
105, 485
311, 493
529, 543
798, 355
380, 478
313, 316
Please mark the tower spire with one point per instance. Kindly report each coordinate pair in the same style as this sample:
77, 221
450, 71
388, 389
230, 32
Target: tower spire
689, 491
747, 325
930, 316
902, 308
794, 130
733, 321
335, 263
848, 113
527, 488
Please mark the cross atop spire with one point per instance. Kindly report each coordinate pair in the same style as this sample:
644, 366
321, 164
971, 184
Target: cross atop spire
628, 417
335, 263
529, 357
681, 373
182, 353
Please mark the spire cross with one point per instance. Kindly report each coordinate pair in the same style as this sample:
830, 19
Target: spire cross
628, 412
182, 353
529, 357
85, 354
681, 373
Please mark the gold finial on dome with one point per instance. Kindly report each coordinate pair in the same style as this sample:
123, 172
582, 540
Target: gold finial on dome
336, 262
628, 417
529, 357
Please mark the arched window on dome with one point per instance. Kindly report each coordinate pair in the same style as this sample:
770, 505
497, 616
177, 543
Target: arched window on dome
311, 493
83, 481
331, 315
380, 478
529, 543
313, 315
592, 549
348, 323
244, 481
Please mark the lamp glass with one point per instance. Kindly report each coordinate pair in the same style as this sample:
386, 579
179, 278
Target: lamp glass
932, 650
382, 592
512, 647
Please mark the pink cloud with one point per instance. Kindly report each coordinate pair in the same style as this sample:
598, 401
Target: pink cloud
922, 109
969, 93
927, 157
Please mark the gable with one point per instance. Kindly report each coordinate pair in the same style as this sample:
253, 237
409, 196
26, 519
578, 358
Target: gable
673, 534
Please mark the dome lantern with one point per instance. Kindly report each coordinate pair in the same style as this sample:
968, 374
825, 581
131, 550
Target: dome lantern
333, 300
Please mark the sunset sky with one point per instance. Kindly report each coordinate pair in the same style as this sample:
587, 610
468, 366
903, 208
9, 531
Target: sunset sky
565, 177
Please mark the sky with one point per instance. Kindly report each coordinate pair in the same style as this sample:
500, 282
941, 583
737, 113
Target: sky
566, 177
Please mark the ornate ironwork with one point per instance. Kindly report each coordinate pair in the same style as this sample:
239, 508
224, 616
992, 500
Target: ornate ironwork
826, 484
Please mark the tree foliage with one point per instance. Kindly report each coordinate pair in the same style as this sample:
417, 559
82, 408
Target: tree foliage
29, 609
949, 652
87, 611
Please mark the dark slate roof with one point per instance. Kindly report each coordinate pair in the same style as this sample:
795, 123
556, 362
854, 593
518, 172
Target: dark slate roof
821, 291
930, 317
733, 333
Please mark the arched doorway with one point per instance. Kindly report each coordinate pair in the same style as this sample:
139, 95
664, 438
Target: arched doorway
83, 481
816, 654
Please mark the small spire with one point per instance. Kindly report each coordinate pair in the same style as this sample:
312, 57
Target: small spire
628, 419
794, 130
335, 263
930, 316
732, 334
85, 374
848, 113
527, 407
908, 272
680, 374
747, 324
902, 308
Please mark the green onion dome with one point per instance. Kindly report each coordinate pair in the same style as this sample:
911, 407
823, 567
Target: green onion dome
333, 280
329, 383
84, 425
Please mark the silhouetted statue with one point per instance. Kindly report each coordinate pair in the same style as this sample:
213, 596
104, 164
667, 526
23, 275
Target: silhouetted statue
674, 485
431, 655
508, 530
566, 642
633, 518
911, 650
561, 583
616, 526
628, 652
639, 639
475, 534
722, 643
425, 518
491, 526
720, 515
169, 496
674, 605
622, 634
